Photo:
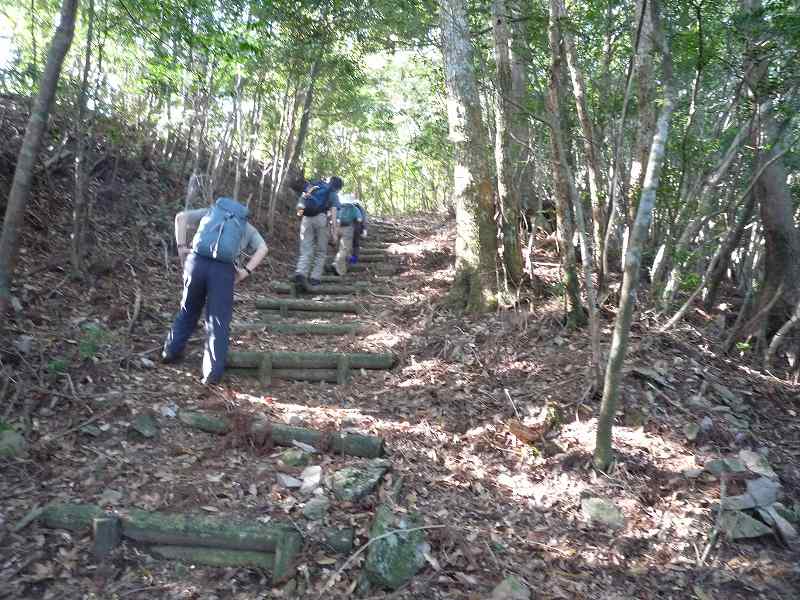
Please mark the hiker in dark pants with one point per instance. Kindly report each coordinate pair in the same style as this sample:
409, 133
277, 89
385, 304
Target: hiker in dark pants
359, 231
209, 281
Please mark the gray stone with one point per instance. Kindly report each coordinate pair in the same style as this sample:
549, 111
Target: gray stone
718, 466
353, 483
24, 344
393, 560
288, 481
605, 512
12, 443
738, 526
294, 457
763, 490
339, 539
757, 463
312, 478
146, 425
316, 508
691, 431
786, 530
510, 588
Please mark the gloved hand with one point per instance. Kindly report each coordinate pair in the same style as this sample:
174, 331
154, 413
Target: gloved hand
364, 234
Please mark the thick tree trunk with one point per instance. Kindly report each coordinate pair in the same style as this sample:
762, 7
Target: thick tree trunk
23, 174
633, 256
505, 154
475, 283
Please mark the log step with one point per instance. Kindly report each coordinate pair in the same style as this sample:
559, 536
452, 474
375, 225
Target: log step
324, 289
311, 360
352, 444
301, 328
306, 305
187, 534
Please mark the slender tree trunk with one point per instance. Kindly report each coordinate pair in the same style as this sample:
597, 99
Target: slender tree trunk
592, 163
23, 174
504, 151
645, 82
476, 240
80, 210
561, 183
633, 257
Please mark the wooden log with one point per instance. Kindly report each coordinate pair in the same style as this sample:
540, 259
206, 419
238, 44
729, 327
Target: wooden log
312, 360
324, 289
107, 532
216, 557
352, 444
77, 518
203, 422
300, 314
314, 375
372, 258
307, 305
382, 268
302, 328
210, 532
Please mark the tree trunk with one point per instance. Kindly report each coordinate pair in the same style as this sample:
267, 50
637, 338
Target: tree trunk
80, 210
23, 174
633, 256
564, 225
475, 283
592, 163
504, 151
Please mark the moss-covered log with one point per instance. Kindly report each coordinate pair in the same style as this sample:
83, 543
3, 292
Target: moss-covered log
379, 268
315, 375
72, 517
324, 289
201, 530
107, 533
307, 305
352, 444
216, 557
203, 421
302, 328
312, 360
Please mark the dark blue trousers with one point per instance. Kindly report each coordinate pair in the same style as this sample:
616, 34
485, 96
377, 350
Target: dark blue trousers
205, 282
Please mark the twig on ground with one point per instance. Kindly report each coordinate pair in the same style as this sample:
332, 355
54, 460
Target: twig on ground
100, 415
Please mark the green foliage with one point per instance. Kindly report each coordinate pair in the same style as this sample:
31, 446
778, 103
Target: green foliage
92, 337
57, 366
689, 282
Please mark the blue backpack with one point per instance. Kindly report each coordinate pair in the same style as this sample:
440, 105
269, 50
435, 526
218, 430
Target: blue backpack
348, 214
221, 230
318, 201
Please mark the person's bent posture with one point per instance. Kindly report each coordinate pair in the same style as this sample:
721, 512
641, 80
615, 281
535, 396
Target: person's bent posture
314, 206
210, 270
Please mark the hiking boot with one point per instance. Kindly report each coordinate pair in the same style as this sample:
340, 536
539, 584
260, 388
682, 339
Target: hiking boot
300, 282
353, 260
314, 282
168, 359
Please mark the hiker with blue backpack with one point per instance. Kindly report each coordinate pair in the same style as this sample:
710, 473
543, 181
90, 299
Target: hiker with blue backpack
351, 216
319, 199
210, 270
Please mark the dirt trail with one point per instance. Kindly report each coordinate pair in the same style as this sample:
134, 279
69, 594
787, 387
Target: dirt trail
455, 413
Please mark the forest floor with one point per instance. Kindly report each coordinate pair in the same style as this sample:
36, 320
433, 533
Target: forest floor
456, 414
